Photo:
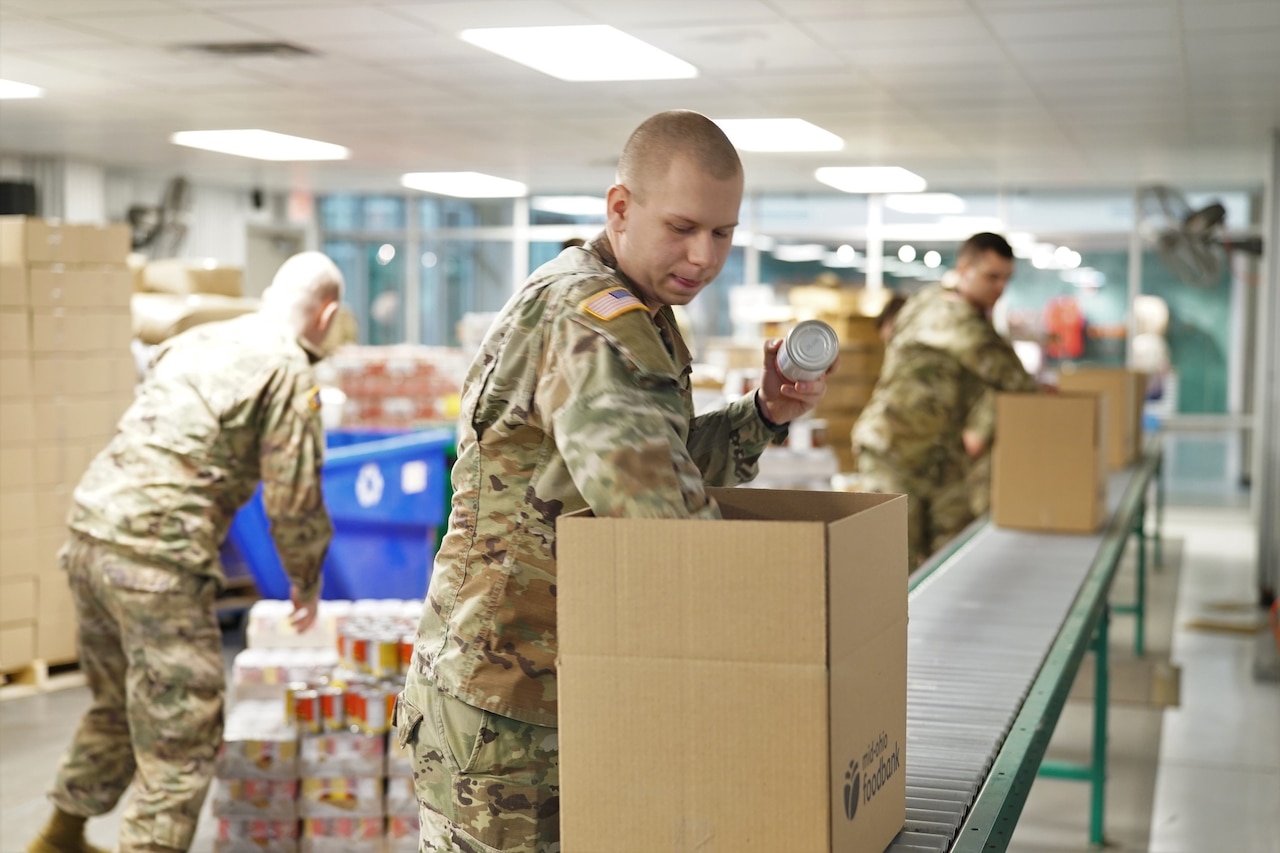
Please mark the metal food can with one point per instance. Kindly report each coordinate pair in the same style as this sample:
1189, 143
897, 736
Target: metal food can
333, 712
384, 657
360, 653
406, 652
306, 709
807, 351
291, 691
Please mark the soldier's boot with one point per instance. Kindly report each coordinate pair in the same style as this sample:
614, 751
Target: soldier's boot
64, 833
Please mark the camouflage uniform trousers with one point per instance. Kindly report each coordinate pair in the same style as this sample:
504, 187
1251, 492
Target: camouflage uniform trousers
485, 783
151, 649
978, 483
938, 508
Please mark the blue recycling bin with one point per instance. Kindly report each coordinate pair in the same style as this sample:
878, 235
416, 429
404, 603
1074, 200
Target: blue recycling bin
388, 496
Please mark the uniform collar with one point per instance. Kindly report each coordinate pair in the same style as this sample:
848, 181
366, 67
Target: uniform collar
665, 319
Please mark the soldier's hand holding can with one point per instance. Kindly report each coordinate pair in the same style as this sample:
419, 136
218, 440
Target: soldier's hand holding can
795, 371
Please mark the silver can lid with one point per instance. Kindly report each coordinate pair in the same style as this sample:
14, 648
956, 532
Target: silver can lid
812, 345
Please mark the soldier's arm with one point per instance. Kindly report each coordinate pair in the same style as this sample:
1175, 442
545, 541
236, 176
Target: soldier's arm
620, 419
979, 348
726, 444
291, 454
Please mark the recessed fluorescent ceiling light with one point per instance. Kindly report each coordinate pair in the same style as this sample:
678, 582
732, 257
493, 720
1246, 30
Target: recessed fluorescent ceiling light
871, 179
464, 184
569, 205
12, 90
936, 203
778, 134
795, 253
260, 145
578, 54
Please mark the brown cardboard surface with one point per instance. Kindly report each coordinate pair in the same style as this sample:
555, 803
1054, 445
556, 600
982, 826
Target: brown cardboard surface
80, 374
17, 512
62, 419
29, 240
63, 463
17, 421
185, 276
52, 504
1125, 391
61, 286
17, 468
13, 286
17, 598
56, 622
105, 245
1049, 462
17, 555
17, 645
669, 631
15, 376
15, 330
61, 330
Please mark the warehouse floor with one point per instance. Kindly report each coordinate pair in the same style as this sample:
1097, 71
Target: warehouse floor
1202, 776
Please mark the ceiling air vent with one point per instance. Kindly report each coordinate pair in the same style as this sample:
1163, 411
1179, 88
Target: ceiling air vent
250, 49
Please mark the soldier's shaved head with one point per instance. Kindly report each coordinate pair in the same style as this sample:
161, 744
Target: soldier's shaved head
305, 294
675, 133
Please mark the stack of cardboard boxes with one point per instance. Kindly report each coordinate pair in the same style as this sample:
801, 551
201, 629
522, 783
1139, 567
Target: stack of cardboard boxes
1053, 452
852, 313
66, 375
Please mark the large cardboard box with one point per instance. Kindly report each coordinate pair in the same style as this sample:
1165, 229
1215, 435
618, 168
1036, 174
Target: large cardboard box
106, 245
17, 645
28, 240
15, 376
15, 330
13, 286
17, 421
184, 276
17, 468
17, 598
740, 680
62, 330
1049, 462
17, 512
56, 622
77, 374
1125, 391
17, 555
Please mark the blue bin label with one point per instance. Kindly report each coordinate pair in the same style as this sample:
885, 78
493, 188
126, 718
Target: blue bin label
413, 477
369, 485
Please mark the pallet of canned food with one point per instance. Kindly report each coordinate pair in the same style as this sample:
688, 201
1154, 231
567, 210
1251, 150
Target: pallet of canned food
308, 762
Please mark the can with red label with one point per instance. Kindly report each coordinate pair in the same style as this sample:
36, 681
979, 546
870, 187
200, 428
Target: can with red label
306, 709
333, 712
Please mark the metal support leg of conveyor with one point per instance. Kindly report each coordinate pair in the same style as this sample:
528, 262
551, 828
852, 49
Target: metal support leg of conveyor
1158, 532
1139, 606
1095, 772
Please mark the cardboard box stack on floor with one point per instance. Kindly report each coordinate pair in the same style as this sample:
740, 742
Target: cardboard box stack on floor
852, 313
742, 680
1049, 462
66, 375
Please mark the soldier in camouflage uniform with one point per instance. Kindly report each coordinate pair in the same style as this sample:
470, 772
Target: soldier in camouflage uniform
943, 356
579, 398
979, 432
224, 406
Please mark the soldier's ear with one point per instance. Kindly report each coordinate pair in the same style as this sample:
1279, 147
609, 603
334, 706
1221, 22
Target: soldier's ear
617, 205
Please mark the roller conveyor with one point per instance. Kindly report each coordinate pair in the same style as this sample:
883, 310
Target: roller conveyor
989, 625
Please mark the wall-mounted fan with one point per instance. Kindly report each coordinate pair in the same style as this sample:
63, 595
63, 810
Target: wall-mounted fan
1191, 242
160, 229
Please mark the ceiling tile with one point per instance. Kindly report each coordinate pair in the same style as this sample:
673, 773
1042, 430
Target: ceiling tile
1083, 49
69, 9
879, 32
1225, 15
450, 18
1157, 17
18, 33
810, 10
742, 48
628, 13
303, 23
168, 29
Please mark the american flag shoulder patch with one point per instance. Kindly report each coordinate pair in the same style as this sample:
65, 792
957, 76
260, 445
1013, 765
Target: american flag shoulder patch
612, 303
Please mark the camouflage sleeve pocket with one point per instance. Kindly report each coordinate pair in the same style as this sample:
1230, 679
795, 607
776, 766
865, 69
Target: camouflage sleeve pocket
406, 720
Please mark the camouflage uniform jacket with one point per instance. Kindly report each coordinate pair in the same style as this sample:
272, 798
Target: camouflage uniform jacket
223, 406
579, 397
943, 356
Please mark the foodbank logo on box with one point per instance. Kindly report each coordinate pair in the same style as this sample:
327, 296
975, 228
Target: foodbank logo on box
867, 776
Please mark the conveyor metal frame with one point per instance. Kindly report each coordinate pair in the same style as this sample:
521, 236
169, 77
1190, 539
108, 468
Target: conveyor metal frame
993, 813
